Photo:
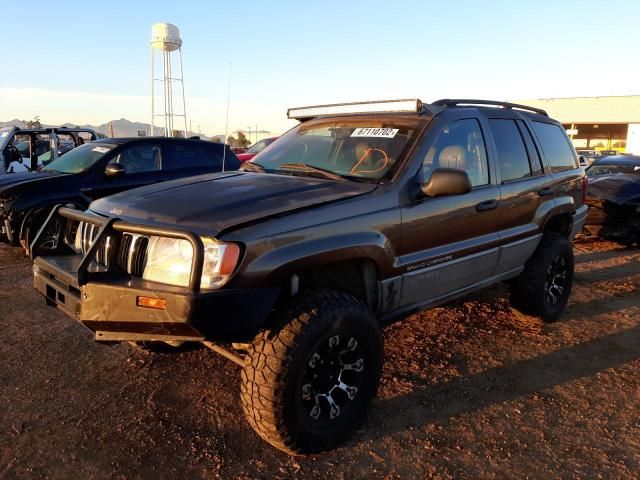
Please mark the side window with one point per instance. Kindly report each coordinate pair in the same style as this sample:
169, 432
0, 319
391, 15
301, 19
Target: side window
555, 146
23, 143
459, 145
140, 159
514, 161
43, 149
191, 156
532, 150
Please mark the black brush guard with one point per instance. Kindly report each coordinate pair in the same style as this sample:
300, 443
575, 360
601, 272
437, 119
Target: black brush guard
106, 299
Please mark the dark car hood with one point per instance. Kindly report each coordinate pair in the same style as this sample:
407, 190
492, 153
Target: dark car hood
620, 189
215, 202
12, 179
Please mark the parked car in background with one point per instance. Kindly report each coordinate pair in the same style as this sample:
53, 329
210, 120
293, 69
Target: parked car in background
98, 169
30, 149
238, 150
256, 148
614, 199
358, 216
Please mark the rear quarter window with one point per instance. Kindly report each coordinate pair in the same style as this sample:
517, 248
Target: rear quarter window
555, 146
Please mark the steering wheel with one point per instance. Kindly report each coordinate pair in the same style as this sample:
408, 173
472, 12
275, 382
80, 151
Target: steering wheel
374, 166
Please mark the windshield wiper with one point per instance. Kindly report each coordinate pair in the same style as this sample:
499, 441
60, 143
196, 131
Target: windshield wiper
312, 168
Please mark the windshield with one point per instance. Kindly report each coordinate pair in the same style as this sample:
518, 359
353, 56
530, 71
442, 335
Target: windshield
261, 145
610, 169
80, 159
364, 147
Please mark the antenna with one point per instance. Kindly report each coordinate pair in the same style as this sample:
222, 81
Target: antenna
165, 39
226, 125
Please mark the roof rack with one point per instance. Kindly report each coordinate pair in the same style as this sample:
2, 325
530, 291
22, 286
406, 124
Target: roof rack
449, 102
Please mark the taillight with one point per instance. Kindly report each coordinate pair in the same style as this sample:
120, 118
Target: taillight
585, 187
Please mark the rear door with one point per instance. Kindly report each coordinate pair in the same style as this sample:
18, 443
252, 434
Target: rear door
561, 161
523, 188
449, 243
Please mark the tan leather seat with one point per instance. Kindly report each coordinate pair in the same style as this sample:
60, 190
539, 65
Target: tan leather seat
452, 157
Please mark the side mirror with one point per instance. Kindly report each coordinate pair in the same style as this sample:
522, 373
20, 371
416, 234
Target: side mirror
114, 170
446, 181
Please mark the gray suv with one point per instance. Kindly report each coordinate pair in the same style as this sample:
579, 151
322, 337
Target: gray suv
359, 215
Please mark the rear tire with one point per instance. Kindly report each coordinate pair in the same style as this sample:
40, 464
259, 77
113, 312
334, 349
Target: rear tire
307, 384
544, 286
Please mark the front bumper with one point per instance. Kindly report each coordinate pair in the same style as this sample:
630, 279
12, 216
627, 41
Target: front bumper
109, 301
110, 309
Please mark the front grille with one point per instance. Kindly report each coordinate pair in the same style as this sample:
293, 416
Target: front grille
87, 236
132, 254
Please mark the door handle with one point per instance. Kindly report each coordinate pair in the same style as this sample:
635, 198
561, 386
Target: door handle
545, 191
487, 205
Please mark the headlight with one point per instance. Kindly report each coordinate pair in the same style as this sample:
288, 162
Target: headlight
169, 261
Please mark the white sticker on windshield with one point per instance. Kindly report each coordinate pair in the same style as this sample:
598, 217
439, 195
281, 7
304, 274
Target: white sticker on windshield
375, 132
636, 168
4, 134
100, 149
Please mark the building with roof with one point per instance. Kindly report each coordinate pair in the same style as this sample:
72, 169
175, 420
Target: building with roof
596, 123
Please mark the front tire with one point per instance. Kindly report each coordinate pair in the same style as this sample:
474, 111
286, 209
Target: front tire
544, 286
31, 224
307, 384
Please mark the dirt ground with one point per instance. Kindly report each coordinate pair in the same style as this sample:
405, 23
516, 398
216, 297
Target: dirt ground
474, 390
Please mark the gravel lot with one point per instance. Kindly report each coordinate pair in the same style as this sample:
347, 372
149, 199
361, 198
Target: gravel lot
473, 390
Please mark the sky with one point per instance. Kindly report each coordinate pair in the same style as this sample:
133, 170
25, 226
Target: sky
87, 62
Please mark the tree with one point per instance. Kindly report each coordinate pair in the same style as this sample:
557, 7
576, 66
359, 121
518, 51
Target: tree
242, 140
35, 123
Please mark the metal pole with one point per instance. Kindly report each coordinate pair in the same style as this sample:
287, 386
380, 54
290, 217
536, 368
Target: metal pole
184, 103
225, 353
226, 124
164, 70
170, 92
153, 116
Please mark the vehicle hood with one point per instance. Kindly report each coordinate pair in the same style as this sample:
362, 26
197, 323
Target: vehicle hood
210, 204
10, 180
620, 189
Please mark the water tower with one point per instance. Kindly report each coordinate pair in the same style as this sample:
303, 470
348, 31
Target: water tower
165, 40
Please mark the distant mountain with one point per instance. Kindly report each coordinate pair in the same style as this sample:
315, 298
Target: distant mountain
121, 128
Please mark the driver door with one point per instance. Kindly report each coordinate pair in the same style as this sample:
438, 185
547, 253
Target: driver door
142, 164
450, 243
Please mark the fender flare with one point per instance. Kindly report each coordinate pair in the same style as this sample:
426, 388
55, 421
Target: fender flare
278, 265
565, 205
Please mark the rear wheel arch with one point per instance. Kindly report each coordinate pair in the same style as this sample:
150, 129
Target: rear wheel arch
559, 222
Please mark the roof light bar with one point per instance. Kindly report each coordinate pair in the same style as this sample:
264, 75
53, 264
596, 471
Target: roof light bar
384, 106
